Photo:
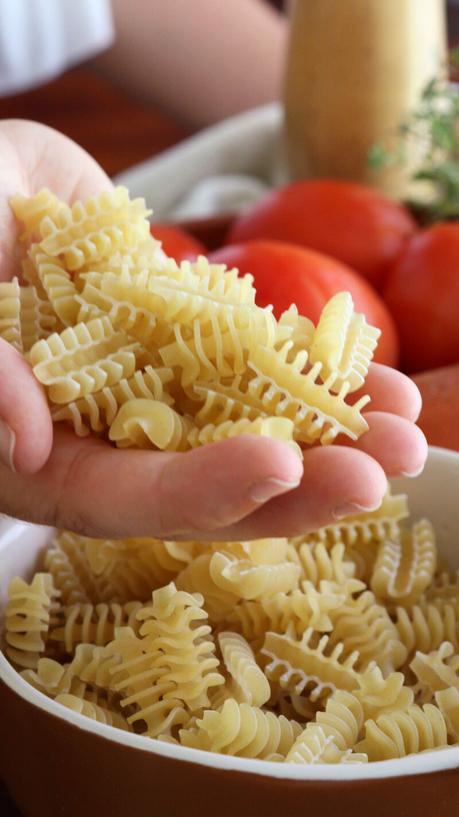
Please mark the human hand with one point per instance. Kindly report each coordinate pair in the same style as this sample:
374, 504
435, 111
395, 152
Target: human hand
243, 488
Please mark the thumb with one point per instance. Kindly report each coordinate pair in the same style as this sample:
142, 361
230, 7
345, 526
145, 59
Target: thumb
26, 431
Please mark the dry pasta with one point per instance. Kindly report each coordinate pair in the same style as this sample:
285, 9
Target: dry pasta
338, 646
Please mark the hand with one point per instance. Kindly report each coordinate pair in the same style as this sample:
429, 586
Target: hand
243, 488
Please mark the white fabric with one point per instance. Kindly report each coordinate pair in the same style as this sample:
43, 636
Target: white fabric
40, 38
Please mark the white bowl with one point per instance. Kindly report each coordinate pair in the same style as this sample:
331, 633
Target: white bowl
55, 761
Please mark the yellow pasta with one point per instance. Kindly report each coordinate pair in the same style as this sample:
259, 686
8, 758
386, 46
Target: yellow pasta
447, 701
424, 627
381, 695
249, 682
30, 211
343, 343
404, 733
315, 746
331, 737
27, 619
249, 581
92, 710
196, 578
142, 423
404, 569
435, 671
84, 623
25, 317
242, 730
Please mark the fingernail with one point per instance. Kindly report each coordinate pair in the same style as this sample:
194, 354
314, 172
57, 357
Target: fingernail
415, 473
263, 491
352, 508
7, 445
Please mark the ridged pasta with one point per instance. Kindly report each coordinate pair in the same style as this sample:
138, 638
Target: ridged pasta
364, 626
65, 579
52, 678
83, 359
196, 578
404, 733
296, 612
435, 671
444, 588
92, 231
142, 423
57, 284
331, 737
91, 665
308, 670
343, 343
381, 695
447, 701
96, 412
73, 546
30, 211
405, 568
93, 711
249, 581
319, 563
249, 681
27, 619
25, 317
424, 627
175, 626
86, 623
242, 730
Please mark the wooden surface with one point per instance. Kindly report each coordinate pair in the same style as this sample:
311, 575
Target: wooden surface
116, 130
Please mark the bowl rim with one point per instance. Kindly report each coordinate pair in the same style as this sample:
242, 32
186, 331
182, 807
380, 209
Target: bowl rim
438, 760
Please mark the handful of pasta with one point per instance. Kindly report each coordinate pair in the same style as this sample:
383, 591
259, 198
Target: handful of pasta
152, 354
341, 646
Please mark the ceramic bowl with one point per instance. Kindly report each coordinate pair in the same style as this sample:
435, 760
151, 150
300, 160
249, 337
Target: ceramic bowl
56, 762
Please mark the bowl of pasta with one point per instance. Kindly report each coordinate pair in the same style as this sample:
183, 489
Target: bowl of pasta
357, 714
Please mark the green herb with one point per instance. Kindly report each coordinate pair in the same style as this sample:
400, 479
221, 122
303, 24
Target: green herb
435, 127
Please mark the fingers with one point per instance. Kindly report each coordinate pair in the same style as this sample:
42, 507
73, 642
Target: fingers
336, 482
94, 489
25, 423
397, 444
391, 391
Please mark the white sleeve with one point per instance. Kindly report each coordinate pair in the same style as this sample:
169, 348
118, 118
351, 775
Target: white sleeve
41, 38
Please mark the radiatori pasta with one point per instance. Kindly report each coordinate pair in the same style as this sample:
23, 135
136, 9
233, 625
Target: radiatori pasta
339, 646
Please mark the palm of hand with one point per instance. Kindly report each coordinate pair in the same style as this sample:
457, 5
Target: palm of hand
243, 488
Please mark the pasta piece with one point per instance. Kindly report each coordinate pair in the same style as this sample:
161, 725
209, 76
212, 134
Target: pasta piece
447, 701
73, 546
65, 579
27, 619
53, 679
277, 428
242, 730
93, 666
174, 625
294, 327
382, 696
333, 734
249, 581
83, 359
96, 412
249, 682
343, 343
25, 318
93, 711
404, 733
296, 611
92, 231
444, 588
314, 746
424, 628
320, 564
196, 578
271, 551
435, 671
31, 210
140, 685
58, 286
365, 528
303, 669
318, 414
404, 569
364, 625
144, 423
84, 623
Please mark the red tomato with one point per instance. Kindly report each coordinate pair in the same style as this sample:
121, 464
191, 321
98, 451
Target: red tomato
285, 274
350, 222
422, 292
177, 243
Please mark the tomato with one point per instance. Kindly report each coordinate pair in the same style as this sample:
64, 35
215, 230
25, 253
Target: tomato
350, 222
177, 243
440, 397
285, 274
422, 292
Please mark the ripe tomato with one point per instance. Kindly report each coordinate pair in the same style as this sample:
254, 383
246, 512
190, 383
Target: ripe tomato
440, 396
177, 243
422, 292
350, 222
286, 274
